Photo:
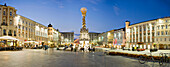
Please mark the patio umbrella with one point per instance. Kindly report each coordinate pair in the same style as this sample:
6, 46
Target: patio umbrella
8, 38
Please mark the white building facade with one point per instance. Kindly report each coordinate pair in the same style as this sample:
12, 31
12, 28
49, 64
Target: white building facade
148, 33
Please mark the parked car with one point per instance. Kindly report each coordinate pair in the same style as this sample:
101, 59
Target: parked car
140, 49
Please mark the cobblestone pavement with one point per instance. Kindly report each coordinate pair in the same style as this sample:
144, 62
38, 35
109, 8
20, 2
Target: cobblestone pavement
54, 58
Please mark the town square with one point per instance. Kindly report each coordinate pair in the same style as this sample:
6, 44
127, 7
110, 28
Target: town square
84, 33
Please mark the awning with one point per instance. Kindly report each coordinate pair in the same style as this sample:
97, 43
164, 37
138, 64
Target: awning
8, 38
140, 43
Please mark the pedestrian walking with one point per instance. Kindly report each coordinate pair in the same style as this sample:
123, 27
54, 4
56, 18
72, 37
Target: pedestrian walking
46, 47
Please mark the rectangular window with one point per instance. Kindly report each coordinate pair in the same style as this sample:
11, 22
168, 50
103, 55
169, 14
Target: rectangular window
22, 27
19, 26
162, 33
10, 13
166, 32
10, 22
166, 26
4, 13
158, 27
162, 26
26, 28
4, 31
158, 33
26, 23
23, 22
160, 39
165, 39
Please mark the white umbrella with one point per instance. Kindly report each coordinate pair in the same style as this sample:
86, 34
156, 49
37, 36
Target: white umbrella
8, 38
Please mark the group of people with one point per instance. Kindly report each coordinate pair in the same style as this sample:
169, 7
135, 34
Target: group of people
80, 48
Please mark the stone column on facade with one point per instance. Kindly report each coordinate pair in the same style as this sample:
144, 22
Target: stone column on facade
135, 35
132, 38
150, 36
155, 30
146, 35
138, 35
142, 36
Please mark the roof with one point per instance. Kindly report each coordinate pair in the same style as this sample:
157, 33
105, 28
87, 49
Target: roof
94, 32
149, 20
50, 25
67, 32
120, 29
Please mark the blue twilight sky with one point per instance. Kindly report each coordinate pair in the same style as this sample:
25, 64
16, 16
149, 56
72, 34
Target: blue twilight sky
102, 15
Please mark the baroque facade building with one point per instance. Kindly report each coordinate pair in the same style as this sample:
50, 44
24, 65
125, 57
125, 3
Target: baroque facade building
119, 38
67, 38
53, 36
93, 37
22, 28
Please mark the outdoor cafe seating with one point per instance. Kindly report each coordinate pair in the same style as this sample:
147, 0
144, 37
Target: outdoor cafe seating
4, 40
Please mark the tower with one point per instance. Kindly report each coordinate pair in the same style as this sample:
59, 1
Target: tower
84, 33
50, 32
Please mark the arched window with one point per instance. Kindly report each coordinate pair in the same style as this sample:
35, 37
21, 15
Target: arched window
10, 33
14, 33
4, 32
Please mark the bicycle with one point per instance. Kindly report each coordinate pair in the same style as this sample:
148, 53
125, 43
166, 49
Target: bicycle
143, 58
164, 58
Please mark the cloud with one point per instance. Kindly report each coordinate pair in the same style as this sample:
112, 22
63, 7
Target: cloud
93, 8
59, 3
116, 10
93, 1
